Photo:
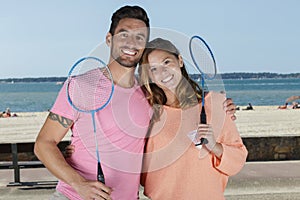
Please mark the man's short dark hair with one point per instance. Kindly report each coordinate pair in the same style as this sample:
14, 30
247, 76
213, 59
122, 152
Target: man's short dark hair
134, 12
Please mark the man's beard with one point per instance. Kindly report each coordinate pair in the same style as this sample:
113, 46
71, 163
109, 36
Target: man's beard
126, 63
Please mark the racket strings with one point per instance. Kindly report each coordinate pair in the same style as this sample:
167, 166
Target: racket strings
203, 58
92, 90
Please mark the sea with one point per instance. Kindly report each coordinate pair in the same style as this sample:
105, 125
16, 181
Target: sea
40, 96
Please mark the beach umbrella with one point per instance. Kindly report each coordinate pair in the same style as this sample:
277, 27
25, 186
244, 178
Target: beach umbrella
292, 98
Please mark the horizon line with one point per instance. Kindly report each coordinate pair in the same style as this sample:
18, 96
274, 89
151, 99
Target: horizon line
225, 73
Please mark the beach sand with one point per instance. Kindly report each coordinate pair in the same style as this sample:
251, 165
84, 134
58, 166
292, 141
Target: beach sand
268, 121
23, 128
262, 121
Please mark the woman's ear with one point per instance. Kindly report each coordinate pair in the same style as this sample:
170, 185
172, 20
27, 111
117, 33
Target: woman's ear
180, 59
108, 39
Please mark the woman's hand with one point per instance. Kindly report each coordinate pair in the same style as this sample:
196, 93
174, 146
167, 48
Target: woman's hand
207, 138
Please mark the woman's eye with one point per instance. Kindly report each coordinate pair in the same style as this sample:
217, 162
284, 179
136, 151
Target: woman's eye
153, 69
167, 62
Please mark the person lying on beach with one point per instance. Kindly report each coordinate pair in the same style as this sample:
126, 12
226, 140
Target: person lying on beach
172, 166
249, 107
283, 106
7, 113
3, 115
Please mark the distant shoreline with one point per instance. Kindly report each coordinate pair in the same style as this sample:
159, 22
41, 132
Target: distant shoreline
31, 80
235, 75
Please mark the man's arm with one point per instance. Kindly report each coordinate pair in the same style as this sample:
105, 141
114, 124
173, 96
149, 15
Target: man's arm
52, 132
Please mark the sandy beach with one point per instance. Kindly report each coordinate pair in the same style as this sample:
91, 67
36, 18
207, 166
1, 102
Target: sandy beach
262, 121
268, 121
23, 128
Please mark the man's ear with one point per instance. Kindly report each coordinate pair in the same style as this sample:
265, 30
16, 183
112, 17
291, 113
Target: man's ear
108, 39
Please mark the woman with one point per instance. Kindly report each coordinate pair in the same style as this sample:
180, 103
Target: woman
174, 168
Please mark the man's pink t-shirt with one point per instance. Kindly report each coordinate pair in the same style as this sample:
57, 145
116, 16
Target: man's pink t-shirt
121, 128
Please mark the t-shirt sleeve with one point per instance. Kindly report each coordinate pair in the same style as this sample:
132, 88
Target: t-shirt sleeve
62, 106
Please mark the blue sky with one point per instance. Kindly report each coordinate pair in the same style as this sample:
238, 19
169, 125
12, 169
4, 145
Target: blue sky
44, 38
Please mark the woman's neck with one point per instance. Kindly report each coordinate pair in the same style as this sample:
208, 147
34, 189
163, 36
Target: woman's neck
172, 100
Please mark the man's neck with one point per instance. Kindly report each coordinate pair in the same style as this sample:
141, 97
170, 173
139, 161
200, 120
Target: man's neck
122, 76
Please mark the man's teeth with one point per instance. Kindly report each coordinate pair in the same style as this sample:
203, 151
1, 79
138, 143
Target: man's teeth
132, 53
167, 79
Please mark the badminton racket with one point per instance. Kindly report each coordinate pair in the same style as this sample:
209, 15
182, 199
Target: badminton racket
205, 64
90, 88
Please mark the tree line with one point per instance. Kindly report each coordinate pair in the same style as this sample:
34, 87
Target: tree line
234, 75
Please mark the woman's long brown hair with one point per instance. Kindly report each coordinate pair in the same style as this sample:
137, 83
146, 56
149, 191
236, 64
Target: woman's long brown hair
188, 92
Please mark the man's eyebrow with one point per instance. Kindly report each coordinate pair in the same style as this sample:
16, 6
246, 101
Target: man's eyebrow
142, 34
121, 30
125, 30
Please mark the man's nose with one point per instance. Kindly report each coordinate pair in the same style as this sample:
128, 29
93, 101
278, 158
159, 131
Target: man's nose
131, 41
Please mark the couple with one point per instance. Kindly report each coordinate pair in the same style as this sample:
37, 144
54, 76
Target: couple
125, 123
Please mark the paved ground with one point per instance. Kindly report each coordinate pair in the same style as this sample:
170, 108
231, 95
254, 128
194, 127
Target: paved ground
257, 180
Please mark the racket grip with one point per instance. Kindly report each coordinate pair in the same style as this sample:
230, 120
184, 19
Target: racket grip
100, 175
203, 116
202, 141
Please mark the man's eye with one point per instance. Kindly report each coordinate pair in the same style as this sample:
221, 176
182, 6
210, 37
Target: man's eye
140, 38
124, 35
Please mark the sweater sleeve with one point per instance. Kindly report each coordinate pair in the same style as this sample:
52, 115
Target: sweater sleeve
234, 151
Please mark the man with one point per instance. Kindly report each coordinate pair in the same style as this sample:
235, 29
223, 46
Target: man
127, 38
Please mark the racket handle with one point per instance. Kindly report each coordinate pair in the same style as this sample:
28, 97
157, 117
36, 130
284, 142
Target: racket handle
100, 175
202, 141
203, 116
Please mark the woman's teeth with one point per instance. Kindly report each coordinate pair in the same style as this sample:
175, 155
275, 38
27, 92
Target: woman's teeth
167, 79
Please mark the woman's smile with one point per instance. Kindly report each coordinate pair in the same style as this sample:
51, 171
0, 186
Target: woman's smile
168, 79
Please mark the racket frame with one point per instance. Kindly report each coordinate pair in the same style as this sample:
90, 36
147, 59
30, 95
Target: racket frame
70, 76
203, 77
100, 174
